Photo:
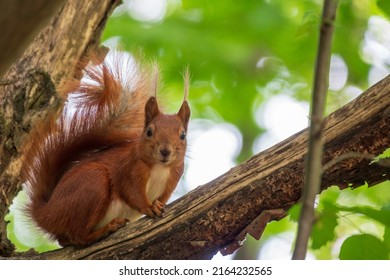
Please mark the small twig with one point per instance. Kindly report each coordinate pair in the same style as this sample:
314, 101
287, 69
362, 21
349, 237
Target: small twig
313, 168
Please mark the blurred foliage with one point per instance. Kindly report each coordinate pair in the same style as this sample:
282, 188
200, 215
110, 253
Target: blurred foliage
21, 231
240, 55
348, 222
363, 247
234, 51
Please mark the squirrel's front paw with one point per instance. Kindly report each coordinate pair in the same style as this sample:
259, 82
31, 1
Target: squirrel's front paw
158, 208
155, 210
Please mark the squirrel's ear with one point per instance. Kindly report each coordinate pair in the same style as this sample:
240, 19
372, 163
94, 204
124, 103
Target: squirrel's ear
184, 114
151, 110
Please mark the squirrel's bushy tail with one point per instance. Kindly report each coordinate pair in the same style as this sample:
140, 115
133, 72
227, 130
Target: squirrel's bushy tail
104, 108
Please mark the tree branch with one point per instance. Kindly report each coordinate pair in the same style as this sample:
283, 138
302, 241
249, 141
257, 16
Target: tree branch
313, 168
217, 215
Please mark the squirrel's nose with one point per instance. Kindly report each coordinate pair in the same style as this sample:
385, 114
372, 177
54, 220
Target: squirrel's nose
165, 152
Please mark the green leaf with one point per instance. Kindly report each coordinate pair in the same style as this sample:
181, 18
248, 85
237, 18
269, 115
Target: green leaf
382, 215
386, 237
363, 247
384, 5
328, 197
309, 24
324, 227
385, 154
294, 212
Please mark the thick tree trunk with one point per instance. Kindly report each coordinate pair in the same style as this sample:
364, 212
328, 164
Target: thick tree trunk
28, 90
218, 215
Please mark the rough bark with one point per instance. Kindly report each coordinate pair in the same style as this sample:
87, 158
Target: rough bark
28, 90
217, 215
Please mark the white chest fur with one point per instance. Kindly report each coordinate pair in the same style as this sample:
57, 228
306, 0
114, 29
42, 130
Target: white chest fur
157, 181
154, 188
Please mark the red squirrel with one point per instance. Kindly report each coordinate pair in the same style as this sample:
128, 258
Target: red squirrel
108, 157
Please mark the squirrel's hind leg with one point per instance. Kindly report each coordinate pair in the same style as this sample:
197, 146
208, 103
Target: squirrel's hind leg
103, 232
79, 202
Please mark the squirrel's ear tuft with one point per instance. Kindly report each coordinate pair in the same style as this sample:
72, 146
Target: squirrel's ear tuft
151, 110
155, 78
186, 77
184, 114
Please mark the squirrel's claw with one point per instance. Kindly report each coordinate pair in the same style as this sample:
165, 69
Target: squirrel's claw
158, 208
155, 210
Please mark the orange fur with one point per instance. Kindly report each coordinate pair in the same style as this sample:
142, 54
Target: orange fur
109, 152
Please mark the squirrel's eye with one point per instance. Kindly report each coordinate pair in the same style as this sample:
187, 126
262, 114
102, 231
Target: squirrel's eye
149, 132
183, 135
